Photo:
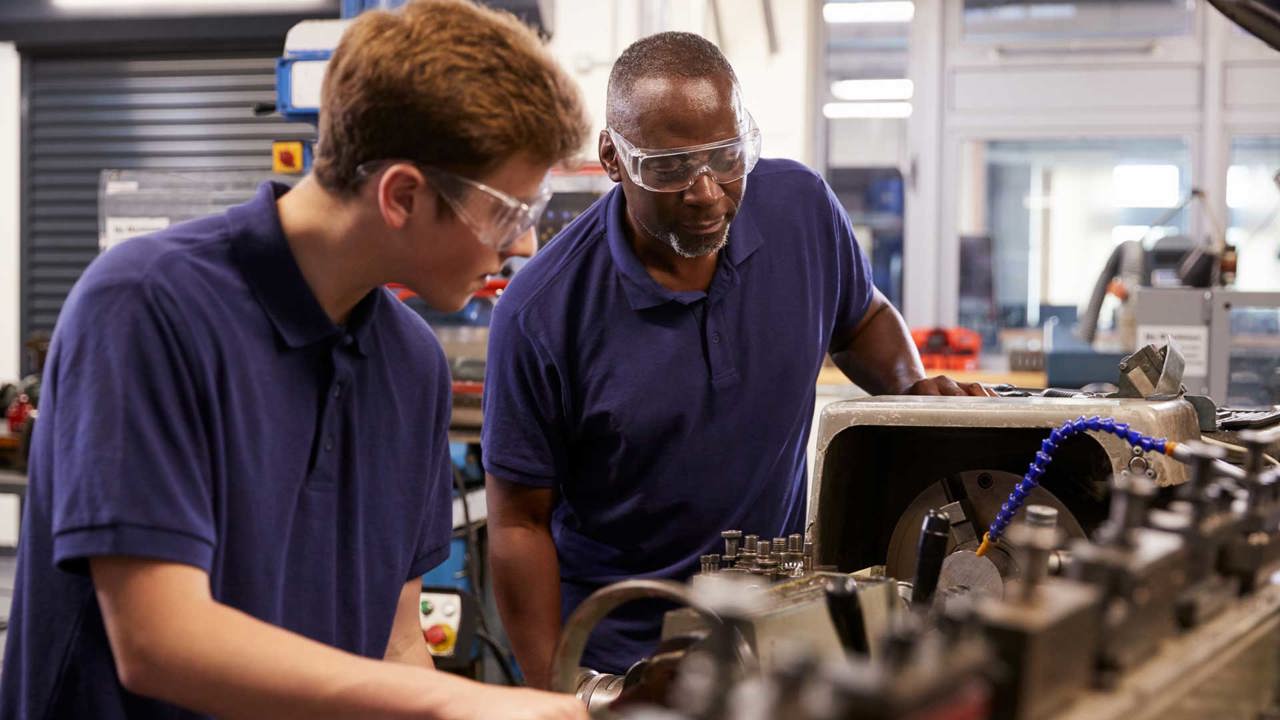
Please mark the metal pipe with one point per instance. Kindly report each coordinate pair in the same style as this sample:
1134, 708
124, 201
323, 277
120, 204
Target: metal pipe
577, 629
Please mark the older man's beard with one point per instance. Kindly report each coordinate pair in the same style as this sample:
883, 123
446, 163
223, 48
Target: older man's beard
701, 246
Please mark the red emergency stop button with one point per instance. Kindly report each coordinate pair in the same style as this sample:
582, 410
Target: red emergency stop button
287, 157
440, 639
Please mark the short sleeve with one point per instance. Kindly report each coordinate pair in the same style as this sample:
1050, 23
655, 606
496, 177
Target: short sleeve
522, 435
129, 468
853, 281
437, 515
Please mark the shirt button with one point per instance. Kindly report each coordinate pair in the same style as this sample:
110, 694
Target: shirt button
715, 337
328, 444
337, 390
348, 341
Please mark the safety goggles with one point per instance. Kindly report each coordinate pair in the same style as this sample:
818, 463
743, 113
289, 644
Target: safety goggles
497, 219
676, 169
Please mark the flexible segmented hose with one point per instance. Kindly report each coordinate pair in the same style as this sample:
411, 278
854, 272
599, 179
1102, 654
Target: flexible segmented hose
1045, 456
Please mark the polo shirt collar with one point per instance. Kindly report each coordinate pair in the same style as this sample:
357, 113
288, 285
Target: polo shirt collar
641, 289
260, 250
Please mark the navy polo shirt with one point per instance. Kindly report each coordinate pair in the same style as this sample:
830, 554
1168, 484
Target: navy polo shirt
199, 407
660, 417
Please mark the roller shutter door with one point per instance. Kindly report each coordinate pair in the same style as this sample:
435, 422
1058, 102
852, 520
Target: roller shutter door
84, 115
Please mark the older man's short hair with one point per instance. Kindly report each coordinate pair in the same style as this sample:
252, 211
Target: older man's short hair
666, 54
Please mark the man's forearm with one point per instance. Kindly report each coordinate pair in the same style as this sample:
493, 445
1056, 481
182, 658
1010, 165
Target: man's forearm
286, 675
209, 657
526, 581
880, 355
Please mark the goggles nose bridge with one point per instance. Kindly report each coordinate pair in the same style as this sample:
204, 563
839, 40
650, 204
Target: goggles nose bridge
704, 171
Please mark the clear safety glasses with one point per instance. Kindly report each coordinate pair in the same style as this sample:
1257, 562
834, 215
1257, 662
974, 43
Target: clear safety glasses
497, 219
676, 169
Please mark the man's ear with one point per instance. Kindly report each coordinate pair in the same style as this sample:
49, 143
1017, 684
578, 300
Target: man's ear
397, 194
609, 157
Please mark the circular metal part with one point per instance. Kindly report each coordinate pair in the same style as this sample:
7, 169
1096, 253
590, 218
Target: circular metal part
983, 504
964, 573
1139, 463
1042, 516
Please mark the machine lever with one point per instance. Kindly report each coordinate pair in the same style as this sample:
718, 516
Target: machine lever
934, 534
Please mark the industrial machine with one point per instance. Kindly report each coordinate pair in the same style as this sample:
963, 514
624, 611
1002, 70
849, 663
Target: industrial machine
1230, 339
1031, 558
1176, 288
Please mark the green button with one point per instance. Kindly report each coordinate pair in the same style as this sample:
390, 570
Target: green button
427, 607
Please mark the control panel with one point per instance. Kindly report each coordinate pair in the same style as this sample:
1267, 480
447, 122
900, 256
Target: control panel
447, 617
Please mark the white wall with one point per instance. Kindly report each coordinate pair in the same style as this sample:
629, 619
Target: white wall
590, 34
10, 182
868, 142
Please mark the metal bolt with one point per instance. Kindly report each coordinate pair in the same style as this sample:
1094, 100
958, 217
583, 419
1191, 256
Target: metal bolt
1203, 457
795, 543
1130, 497
1256, 442
1035, 544
732, 538
1042, 516
985, 481
779, 547
792, 563
749, 544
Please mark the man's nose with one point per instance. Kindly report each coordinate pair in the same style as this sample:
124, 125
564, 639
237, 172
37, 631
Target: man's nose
704, 190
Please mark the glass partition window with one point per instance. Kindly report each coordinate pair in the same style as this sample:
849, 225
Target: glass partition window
866, 100
1038, 220
1253, 378
1253, 211
1039, 20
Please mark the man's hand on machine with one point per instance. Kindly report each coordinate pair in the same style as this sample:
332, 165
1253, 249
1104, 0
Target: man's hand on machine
514, 704
943, 385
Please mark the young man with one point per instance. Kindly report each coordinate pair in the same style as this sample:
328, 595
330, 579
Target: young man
241, 467
652, 372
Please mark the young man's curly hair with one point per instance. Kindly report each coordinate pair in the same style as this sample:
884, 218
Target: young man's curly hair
445, 83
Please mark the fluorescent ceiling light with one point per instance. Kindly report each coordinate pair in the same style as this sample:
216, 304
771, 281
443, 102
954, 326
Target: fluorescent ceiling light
181, 6
893, 11
897, 89
850, 110
1144, 186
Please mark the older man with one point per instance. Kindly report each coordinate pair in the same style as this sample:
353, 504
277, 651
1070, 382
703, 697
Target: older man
652, 372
